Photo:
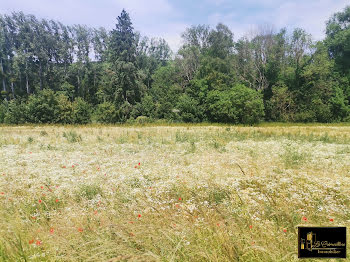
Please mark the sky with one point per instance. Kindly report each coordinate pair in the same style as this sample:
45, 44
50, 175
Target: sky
169, 18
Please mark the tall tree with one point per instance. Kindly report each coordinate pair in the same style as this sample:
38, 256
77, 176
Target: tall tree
122, 56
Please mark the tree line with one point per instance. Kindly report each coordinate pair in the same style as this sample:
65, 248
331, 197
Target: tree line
54, 73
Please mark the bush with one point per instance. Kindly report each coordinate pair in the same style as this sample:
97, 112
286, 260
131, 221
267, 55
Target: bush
64, 112
81, 111
189, 110
16, 112
72, 136
239, 104
3, 110
105, 113
43, 107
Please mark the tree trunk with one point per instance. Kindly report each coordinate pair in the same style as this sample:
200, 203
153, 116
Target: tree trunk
3, 76
41, 76
27, 81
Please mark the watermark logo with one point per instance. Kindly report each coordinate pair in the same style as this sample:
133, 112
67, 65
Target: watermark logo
318, 242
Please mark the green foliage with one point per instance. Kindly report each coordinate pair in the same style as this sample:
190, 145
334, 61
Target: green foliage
43, 107
237, 105
64, 112
16, 112
72, 136
281, 105
189, 110
105, 113
47, 74
81, 111
3, 111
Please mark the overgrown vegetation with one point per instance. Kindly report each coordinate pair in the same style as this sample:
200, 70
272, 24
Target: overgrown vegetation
169, 193
48, 74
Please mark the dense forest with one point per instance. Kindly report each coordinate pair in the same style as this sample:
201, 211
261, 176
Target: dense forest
54, 73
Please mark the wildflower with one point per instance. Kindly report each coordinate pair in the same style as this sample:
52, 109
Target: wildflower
38, 243
63, 166
2, 193
135, 166
80, 229
177, 205
40, 201
33, 218
139, 163
139, 215
250, 226
304, 218
285, 230
31, 241
56, 200
331, 219
180, 198
73, 166
51, 230
42, 187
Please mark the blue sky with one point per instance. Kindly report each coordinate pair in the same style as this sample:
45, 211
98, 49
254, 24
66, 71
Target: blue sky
169, 18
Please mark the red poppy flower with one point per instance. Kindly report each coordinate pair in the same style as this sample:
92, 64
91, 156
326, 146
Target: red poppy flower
64, 167
180, 198
80, 229
51, 230
31, 241
139, 215
73, 166
177, 205
38, 242
331, 219
304, 218
34, 218
42, 187
135, 166
250, 226
40, 200
285, 230
139, 163
56, 200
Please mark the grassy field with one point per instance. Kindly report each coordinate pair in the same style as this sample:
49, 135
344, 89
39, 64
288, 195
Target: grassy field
169, 193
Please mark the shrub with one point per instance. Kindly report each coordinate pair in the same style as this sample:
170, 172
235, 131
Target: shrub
72, 136
239, 104
105, 113
3, 110
81, 111
16, 112
189, 110
43, 107
64, 113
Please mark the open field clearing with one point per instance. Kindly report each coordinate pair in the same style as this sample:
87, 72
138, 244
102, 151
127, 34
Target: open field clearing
169, 193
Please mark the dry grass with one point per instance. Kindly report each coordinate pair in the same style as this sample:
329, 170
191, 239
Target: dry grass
200, 193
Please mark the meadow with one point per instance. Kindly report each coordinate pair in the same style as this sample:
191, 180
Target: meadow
169, 192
